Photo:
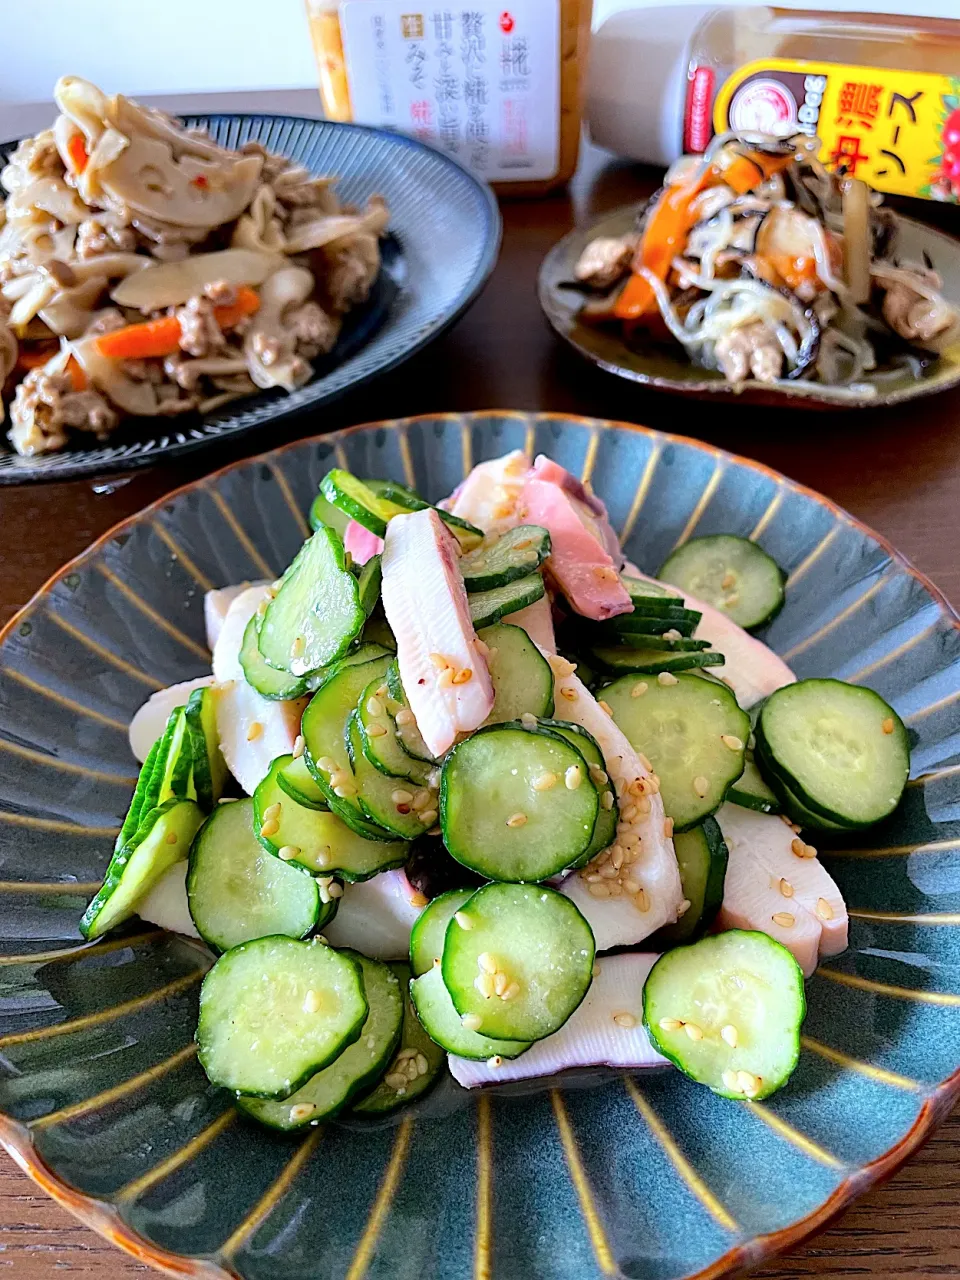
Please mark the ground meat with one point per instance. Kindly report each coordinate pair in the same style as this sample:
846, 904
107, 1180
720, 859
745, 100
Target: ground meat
200, 334
46, 406
313, 330
220, 293
351, 272
95, 238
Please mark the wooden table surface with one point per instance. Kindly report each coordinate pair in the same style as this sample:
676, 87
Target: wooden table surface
899, 470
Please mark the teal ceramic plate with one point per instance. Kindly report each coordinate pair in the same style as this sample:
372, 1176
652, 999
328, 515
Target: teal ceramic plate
647, 1178
665, 368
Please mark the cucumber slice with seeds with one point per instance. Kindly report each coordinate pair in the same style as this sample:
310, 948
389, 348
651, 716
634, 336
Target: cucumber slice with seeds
237, 891
684, 621
694, 734
379, 740
840, 748
428, 934
605, 828
515, 554
750, 791
651, 597
380, 796
397, 1087
529, 938
278, 686
507, 809
374, 505
324, 513
357, 1067
298, 782
733, 574
653, 661
737, 986
209, 766
487, 607
162, 838
172, 776
702, 859
444, 1025
316, 615
521, 676
316, 839
135, 811
274, 1012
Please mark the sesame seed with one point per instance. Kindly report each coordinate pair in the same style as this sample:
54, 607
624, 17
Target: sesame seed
445, 678
511, 991
487, 962
298, 646
298, 746
405, 716
626, 1020
598, 775
336, 890
668, 828
495, 1061
418, 899
685, 906
171, 837
428, 817
377, 730
672, 634
749, 1083
500, 983
439, 661
732, 741
701, 785
423, 1066
345, 793
642, 900
631, 887
482, 648
643, 805
463, 920
339, 776
227, 800
824, 909
323, 857
269, 829
667, 677
595, 973
545, 782
301, 1110
729, 1035
471, 1022
798, 847
786, 888
728, 580
784, 919
401, 797
888, 725
412, 1070
606, 800
568, 693
312, 1002
731, 1081
598, 890
463, 676
528, 720
572, 777
732, 600
693, 1031
517, 820
254, 732
328, 765
288, 852
421, 799
639, 689
629, 813
605, 706
375, 706
397, 1081
669, 1024
484, 984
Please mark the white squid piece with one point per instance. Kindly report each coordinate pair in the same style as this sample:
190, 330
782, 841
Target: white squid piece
215, 606
375, 916
537, 621
166, 904
150, 720
444, 674
489, 497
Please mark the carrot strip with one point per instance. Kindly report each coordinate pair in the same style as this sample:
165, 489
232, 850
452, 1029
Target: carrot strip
748, 170
161, 337
663, 239
77, 151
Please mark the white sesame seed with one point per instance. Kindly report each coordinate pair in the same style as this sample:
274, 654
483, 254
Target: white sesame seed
731, 1081
749, 1083
572, 777
668, 828
672, 634
729, 1035
345, 793
328, 765
301, 1110
685, 906
312, 1002
511, 991
269, 828
463, 676
642, 900
463, 920
298, 746
568, 693
626, 1020
377, 730
528, 720
693, 1031
732, 741
669, 1024
439, 661
605, 706
423, 1066
418, 899
397, 1081
888, 725
401, 797
405, 716
471, 1022
667, 677
606, 800
639, 689
784, 919
824, 909
428, 817
701, 785
487, 962
445, 678
786, 888
335, 890
421, 799
484, 984
545, 782
517, 820
495, 1061
255, 730
298, 646
288, 852
598, 890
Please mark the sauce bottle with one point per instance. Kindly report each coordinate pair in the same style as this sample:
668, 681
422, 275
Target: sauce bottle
497, 85
881, 92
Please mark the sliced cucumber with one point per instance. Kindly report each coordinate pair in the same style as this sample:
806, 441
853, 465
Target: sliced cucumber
737, 986
507, 809
298, 782
377, 634
732, 574
653, 661
368, 584
274, 1012
172, 776
357, 1067
539, 945
521, 676
651, 597
313, 838
444, 1025
750, 791
693, 733
684, 621
408, 734
605, 828
794, 807
316, 615
427, 935
468, 535
358, 501
417, 1048
379, 736
702, 859
430, 870
209, 766
323, 513
135, 811
278, 686
838, 747
162, 838
382, 800
515, 554
237, 891
324, 728
487, 607
666, 643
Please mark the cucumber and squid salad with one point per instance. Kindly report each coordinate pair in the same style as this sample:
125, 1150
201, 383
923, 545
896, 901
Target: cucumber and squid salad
407, 708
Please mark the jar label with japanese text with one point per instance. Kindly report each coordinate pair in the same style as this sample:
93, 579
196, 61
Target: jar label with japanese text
897, 130
482, 84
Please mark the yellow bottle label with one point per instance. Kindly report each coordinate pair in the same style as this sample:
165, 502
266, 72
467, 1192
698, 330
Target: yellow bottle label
897, 130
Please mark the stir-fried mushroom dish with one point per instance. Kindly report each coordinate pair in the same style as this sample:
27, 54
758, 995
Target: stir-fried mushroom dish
145, 270
765, 265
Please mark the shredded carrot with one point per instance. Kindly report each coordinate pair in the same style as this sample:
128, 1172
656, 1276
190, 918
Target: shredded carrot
156, 338
34, 357
663, 239
746, 171
793, 270
77, 151
77, 374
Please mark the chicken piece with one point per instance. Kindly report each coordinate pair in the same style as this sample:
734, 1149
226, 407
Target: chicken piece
375, 916
749, 350
648, 893
150, 720
753, 899
444, 674
773, 845
361, 543
605, 260
489, 496
915, 310
252, 729
606, 1030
